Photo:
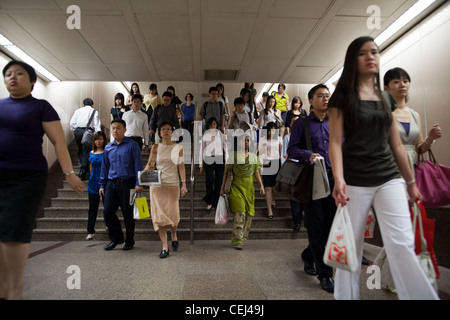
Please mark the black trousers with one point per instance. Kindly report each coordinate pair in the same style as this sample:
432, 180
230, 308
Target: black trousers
94, 202
83, 151
319, 215
214, 177
117, 194
296, 210
138, 140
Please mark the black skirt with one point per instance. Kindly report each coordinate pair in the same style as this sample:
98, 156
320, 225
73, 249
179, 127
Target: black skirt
269, 173
21, 193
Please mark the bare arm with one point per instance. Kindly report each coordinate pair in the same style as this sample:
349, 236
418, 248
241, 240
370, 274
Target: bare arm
224, 180
423, 145
55, 133
182, 172
261, 185
336, 119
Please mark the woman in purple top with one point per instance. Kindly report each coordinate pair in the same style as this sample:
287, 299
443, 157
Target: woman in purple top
24, 170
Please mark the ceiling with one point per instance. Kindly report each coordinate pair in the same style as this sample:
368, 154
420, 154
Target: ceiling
291, 41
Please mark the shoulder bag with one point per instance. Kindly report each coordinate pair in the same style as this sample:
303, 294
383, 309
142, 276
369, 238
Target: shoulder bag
88, 134
295, 179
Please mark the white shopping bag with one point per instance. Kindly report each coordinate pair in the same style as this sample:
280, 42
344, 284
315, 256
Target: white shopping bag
222, 211
321, 186
340, 250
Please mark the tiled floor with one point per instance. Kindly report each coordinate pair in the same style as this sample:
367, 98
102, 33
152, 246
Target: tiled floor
207, 270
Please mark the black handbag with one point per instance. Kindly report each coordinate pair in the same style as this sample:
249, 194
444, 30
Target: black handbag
295, 179
88, 134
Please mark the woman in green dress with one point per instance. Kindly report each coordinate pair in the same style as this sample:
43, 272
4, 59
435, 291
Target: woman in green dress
244, 165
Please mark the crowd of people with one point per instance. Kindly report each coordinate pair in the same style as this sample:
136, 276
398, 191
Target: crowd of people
355, 130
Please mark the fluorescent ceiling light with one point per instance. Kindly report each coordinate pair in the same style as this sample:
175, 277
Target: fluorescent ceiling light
127, 85
264, 89
402, 21
335, 77
8, 45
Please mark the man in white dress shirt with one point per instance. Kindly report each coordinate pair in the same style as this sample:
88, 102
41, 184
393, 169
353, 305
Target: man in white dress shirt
137, 123
78, 124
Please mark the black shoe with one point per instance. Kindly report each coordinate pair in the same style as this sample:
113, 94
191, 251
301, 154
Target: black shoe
164, 254
327, 284
309, 267
82, 174
175, 245
112, 245
127, 246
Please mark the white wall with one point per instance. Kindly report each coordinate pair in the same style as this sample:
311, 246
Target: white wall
423, 53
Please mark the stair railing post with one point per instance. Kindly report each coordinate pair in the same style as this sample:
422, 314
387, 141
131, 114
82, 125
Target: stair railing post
194, 142
192, 195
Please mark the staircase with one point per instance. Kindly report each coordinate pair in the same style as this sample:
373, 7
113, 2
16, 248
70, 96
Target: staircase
66, 218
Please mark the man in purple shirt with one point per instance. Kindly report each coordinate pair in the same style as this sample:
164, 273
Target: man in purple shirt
119, 174
319, 214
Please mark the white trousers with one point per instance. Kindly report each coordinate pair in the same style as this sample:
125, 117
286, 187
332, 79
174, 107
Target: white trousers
390, 202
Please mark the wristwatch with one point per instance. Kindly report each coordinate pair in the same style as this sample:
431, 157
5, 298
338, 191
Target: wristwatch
68, 173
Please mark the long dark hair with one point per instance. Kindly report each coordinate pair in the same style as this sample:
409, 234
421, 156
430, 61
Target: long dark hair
131, 89
122, 99
345, 97
266, 109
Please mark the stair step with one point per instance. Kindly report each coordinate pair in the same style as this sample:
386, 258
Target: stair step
82, 200
223, 233
199, 223
66, 219
82, 212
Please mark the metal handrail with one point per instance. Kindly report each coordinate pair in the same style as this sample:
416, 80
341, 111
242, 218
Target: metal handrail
191, 233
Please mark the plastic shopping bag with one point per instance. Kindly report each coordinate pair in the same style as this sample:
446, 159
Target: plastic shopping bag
140, 206
222, 211
340, 250
370, 224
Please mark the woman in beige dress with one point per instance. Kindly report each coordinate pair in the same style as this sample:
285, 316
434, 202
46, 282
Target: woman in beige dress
164, 200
